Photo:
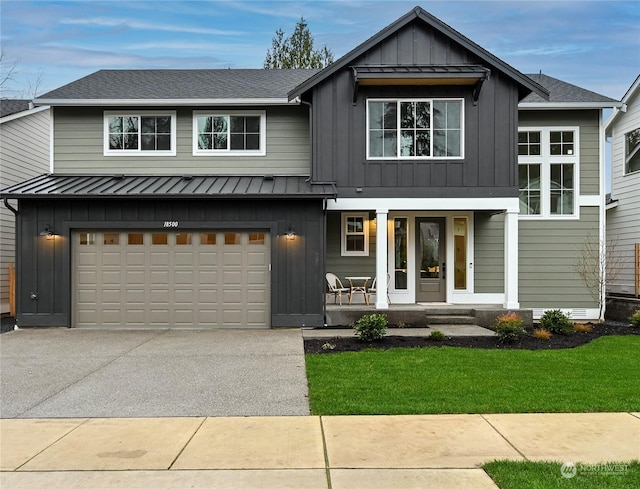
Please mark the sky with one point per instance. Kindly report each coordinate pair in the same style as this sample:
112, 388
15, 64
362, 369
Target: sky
592, 44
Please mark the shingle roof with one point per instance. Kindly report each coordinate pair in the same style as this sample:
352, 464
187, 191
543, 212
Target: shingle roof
10, 106
181, 85
168, 186
563, 92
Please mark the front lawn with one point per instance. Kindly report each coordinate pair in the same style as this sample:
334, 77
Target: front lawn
603, 375
553, 475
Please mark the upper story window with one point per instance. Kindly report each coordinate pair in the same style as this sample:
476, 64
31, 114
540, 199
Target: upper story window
355, 238
147, 133
415, 129
230, 133
548, 171
632, 151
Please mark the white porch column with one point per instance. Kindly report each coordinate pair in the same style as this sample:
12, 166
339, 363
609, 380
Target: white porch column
511, 259
382, 259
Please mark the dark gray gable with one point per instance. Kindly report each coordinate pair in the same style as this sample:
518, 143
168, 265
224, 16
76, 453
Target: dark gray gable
525, 84
181, 85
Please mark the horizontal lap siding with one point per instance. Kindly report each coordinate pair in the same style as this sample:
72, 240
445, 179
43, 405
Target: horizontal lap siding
623, 222
24, 144
344, 266
489, 253
548, 252
588, 122
79, 143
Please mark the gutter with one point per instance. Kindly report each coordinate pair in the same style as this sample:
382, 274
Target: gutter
164, 102
569, 105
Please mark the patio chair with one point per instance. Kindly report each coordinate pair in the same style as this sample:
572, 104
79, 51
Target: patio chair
373, 290
336, 288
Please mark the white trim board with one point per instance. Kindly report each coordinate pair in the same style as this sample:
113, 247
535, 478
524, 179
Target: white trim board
425, 204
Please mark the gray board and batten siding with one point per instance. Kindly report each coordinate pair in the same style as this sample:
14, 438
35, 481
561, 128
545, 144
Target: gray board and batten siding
296, 283
79, 143
339, 127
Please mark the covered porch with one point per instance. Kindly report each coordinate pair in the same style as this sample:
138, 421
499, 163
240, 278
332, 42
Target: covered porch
447, 252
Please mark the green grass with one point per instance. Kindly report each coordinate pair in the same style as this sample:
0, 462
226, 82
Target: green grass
603, 375
548, 475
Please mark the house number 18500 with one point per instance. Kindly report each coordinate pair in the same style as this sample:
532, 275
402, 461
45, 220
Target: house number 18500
170, 224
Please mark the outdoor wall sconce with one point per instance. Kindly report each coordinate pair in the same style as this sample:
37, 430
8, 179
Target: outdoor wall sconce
291, 232
47, 231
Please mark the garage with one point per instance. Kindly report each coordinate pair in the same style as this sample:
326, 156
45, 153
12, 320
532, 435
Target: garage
162, 278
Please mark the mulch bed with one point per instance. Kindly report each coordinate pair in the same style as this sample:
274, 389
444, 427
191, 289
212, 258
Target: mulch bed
528, 342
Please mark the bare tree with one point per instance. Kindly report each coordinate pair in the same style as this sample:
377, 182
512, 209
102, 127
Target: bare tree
7, 69
598, 264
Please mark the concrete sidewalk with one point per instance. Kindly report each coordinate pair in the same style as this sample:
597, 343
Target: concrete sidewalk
435, 451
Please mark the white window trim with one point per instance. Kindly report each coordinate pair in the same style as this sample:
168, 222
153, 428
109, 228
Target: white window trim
425, 158
625, 158
138, 152
545, 160
343, 234
228, 152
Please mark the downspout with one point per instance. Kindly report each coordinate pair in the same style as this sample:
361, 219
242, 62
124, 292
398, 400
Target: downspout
324, 213
10, 207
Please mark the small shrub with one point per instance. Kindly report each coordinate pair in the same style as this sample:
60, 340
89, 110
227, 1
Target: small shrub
371, 327
437, 336
509, 328
328, 346
402, 324
582, 328
635, 319
557, 322
542, 334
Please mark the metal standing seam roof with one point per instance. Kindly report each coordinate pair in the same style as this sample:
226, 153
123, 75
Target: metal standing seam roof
168, 186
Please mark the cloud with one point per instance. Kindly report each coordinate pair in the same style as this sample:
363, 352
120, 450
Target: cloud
137, 25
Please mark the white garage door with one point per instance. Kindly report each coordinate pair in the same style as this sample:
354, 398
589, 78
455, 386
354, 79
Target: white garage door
171, 279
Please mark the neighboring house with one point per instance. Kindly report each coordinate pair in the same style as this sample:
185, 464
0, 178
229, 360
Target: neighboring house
623, 210
24, 153
221, 197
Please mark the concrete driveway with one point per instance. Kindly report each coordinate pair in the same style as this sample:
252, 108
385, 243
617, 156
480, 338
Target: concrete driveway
61, 373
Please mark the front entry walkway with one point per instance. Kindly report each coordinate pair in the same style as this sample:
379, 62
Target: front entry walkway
60, 373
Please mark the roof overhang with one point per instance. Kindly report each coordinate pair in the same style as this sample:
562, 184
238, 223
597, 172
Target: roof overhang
569, 105
419, 75
166, 102
24, 113
53, 186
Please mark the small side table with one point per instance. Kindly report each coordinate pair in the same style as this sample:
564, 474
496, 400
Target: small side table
360, 286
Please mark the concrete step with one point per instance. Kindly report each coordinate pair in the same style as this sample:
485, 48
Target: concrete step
448, 311
450, 319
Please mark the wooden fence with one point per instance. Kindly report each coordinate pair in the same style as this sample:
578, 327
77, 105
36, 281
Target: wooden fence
637, 261
12, 290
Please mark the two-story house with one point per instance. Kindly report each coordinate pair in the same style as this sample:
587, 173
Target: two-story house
623, 212
221, 197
